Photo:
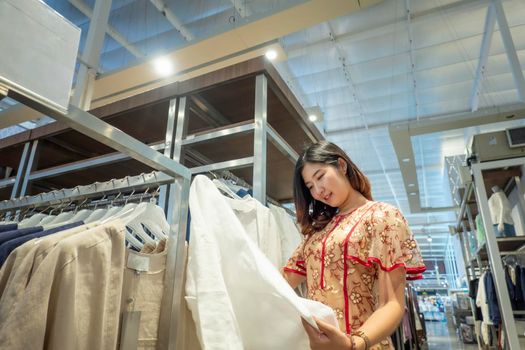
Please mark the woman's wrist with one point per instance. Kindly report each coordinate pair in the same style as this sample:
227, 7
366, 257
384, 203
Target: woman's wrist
357, 343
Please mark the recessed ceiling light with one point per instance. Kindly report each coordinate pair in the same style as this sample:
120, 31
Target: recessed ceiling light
406, 160
411, 185
163, 66
312, 117
413, 193
271, 54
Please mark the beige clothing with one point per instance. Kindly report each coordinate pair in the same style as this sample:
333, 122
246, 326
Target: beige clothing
72, 300
161, 246
23, 261
149, 247
142, 290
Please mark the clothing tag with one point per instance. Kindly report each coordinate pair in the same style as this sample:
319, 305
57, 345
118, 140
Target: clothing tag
138, 263
130, 330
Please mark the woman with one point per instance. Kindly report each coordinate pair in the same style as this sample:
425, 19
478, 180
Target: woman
356, 253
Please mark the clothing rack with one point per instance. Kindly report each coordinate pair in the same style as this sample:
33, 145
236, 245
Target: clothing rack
95, 128
78, 193
497, 247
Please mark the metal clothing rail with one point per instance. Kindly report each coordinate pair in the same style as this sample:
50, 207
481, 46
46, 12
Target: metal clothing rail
53, 198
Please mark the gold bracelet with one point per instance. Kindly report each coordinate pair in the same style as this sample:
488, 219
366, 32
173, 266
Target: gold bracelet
363, 336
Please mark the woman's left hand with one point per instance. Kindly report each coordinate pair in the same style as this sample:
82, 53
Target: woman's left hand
329, 337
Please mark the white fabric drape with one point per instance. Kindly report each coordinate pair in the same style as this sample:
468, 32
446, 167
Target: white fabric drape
238, 299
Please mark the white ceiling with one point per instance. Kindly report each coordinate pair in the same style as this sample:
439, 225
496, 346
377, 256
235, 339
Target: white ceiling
398, 61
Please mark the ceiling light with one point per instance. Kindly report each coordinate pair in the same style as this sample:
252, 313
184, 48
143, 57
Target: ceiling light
413, 193
411, 185
271, 54
312, 117
406, 160
429, 238
163, 66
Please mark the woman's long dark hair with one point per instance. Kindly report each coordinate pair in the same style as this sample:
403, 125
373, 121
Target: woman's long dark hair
314, 215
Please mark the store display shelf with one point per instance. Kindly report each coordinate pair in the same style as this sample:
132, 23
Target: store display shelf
506, 245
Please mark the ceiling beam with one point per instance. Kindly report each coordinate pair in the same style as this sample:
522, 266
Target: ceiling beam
490, 23
508, 43
390, 26
209, 110
112, 31
142, 77
241, 8
173, 19
412, 56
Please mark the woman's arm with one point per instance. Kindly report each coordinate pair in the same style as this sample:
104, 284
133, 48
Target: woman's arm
293, 278
384, 321
377, 327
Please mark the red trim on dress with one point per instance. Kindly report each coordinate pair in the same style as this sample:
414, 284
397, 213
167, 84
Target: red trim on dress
345, 287
321, 282
370, 260
287, 269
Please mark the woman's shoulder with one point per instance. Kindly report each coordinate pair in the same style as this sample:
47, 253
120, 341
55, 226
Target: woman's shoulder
385, 208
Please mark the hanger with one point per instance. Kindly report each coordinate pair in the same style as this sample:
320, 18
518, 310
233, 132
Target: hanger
225, 189
96, 214
78, 215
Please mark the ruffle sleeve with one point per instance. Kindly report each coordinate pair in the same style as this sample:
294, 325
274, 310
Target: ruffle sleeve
388, 242
296, 263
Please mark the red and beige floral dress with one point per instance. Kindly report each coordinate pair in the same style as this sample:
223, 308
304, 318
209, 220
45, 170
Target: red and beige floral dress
341, 262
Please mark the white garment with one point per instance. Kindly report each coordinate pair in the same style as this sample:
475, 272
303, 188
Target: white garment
260, 225
288, 232
500, 210
517, 218
481, 300
237, 298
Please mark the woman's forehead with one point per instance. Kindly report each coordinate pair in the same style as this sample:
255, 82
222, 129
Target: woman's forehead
310, 169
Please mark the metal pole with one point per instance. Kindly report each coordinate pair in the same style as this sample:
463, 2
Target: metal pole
495, 257
259, 140
20, 171
168, 150
29, 168
170, 324
180, 133
91, 56
521, 200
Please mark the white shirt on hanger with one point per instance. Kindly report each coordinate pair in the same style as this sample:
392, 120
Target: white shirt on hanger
237, 298
260, 225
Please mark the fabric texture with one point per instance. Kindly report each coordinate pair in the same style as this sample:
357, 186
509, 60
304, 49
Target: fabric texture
73, 299
19, 267
260, 225
481, 300
9, 235
507, 231
492, 299
8, 227
7, 247
480, 231
142, 291
237, 298
500, 210
341, 263
289, 234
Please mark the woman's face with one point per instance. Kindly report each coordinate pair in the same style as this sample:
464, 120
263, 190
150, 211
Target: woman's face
327, 183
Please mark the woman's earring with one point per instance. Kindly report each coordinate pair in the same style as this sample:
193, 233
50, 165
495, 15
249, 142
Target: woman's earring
311, 208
